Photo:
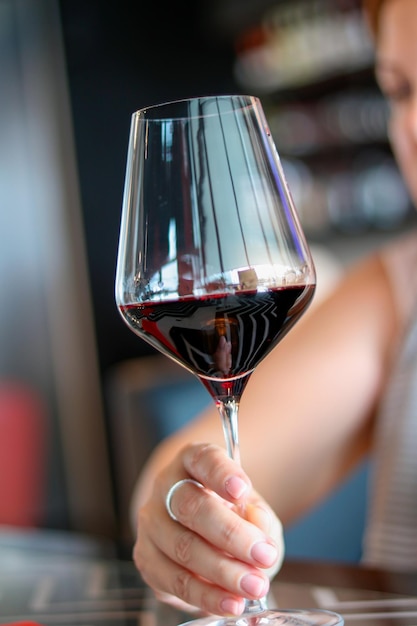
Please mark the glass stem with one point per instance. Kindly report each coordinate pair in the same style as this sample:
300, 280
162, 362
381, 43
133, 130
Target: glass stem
228, 408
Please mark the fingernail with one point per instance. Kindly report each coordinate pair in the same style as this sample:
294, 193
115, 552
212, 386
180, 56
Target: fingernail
254, 585
264, 553
230, 606
236, 487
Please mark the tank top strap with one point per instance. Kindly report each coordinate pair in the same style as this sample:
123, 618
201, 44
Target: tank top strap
390, 538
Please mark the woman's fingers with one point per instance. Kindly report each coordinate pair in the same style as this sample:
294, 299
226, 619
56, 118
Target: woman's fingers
210, 465
170, 579
224, 543
222, 564
204, 513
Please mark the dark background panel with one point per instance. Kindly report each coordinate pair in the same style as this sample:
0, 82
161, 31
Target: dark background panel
120, 57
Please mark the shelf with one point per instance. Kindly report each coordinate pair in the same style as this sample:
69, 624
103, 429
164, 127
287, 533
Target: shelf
344, 121
311, 62
298, 43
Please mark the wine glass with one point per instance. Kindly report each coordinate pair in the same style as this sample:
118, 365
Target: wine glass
213, 268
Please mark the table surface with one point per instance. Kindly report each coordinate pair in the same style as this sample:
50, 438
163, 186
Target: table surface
57, 580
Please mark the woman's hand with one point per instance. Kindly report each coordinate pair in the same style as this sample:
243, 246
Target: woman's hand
225, 544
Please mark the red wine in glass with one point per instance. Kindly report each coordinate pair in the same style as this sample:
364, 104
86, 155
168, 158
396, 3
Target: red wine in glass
223, 337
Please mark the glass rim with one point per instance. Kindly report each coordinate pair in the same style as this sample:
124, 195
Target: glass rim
140, 114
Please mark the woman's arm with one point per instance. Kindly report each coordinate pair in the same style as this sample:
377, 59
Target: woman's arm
305, 420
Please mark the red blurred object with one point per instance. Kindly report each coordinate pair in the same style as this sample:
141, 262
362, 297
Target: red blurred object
22, 455
254, 37
23, 624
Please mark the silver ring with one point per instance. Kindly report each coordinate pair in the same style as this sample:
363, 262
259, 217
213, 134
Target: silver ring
173, 489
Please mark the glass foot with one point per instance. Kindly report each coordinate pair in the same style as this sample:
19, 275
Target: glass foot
274, 617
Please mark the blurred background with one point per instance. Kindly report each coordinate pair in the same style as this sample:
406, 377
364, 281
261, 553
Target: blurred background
75, 422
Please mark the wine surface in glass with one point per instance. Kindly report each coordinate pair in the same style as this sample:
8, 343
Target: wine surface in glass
220, 337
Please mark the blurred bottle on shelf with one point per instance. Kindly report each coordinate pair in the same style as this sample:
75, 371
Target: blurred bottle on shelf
355, 117
311, 61
301, 41
367, 193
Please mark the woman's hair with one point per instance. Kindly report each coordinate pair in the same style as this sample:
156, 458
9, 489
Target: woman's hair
372, 10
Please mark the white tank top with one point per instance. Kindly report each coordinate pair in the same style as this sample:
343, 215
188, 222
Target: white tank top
390, 538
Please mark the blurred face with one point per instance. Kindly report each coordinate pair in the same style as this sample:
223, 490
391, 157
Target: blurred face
396, 71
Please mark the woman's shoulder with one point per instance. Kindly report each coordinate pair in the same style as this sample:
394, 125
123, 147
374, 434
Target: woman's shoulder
402, 249
399, 259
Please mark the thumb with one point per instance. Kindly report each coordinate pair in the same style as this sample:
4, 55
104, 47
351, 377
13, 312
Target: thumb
264, 518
